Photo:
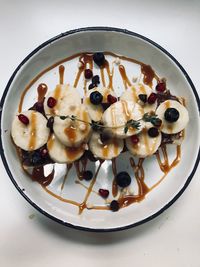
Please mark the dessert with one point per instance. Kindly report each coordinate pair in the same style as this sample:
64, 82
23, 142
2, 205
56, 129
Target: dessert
69, 128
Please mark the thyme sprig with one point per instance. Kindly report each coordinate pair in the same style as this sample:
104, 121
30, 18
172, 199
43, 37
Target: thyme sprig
131, 124
99, 126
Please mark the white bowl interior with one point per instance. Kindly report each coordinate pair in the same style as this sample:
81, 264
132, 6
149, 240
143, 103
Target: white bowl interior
119, 43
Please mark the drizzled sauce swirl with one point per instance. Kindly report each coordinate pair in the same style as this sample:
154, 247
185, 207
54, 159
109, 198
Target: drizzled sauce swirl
86, 61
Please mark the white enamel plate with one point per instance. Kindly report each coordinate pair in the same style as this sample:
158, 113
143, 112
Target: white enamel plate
54, 205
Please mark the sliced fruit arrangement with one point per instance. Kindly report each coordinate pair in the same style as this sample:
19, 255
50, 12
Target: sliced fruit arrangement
62, 154
58, 101
104, 147
143, 95
97, 99
63, 127
174, 116
29, 130
66, 124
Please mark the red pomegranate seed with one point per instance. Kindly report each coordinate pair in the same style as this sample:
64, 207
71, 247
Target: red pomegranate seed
161, 87
23, 119
44, 152
111, 99
152, 98
103, 193
134, 139
88, 74
51, 102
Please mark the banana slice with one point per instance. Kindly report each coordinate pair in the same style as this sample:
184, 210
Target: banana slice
110, 149
132, 93
146, 146
172, 127
73, 133
65, 96
96, 111
33, 135
62, 154
117, 115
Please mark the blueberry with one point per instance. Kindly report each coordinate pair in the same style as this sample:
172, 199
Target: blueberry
143, 97
50, 123
99, 59
91, 86
171, 115
96, 98
123, 179
36, 158
153, 132
114, 205
95, 79
87, 175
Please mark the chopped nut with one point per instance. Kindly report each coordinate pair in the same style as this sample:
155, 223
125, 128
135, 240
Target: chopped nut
90, 205
134, 79
99, 141
82, 126
117, 61
80, 64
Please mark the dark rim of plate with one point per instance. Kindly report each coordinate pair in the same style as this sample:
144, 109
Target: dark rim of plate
108, 29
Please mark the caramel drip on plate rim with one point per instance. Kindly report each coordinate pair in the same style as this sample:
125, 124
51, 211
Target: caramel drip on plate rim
33, 134
80, 70
124, 76
61, 74
148, 73
42, 90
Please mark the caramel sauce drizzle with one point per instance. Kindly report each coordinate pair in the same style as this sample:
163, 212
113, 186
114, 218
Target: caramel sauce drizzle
124, 76
72, 152
85, 57
32, 140
61, 74
103, 77
114, 184
105, 151
38, 175
86, 187
124, 200
164, 165
71, 133
79, 171
61, 198
69, 166
125, 110
148, 73
42, 90
83, 205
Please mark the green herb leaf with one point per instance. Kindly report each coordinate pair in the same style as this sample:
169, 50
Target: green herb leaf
73, 118
96, 125
125, 129
63, 117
